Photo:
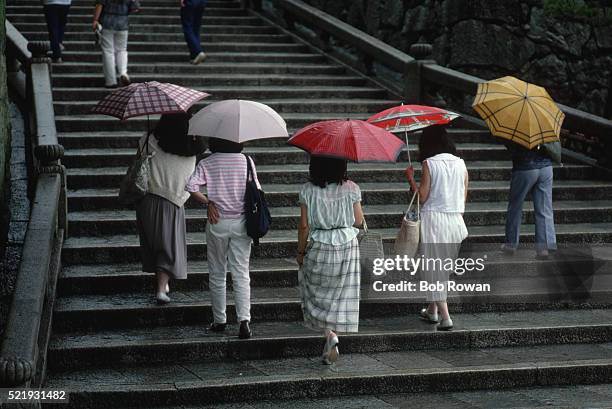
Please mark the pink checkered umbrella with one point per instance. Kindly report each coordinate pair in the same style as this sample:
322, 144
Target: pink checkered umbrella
148, 98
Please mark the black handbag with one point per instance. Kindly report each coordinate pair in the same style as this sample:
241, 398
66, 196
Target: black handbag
258, 219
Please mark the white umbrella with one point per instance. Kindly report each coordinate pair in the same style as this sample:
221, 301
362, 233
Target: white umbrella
238, 121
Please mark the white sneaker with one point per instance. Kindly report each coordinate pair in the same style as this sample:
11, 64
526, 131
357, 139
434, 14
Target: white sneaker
199, 58
445, 325
162, 298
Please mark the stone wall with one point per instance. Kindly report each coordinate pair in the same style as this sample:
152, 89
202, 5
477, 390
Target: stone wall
6, 283
569, 53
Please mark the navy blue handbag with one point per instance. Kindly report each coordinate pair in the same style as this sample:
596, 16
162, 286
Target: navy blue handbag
258, 219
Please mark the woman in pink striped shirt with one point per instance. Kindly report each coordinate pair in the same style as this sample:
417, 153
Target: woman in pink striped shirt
224, 173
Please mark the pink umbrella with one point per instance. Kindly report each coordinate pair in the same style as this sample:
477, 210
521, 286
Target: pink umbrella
353, 140
148, 98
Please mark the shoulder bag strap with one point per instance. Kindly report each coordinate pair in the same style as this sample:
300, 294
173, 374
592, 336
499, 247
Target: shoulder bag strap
249, 169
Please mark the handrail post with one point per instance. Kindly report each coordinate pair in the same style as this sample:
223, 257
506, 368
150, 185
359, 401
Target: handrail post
414, 89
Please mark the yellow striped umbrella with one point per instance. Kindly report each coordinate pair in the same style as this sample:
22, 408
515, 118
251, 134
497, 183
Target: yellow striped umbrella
518, 111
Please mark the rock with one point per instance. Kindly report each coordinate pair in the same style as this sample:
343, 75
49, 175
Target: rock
594, 102
570, 37
549, 71
394, 12
507, 11
356, 14
416, 20
603, 36
474, 43
373, 17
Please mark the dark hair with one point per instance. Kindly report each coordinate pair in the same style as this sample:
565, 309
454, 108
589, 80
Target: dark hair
224, 146
435, 140
324, 171
172, 136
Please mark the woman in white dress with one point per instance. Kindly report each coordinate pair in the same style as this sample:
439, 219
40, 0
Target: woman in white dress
443, 191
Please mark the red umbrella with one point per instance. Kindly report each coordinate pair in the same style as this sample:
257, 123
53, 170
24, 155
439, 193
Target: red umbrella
406, 118
353, 140
147, 98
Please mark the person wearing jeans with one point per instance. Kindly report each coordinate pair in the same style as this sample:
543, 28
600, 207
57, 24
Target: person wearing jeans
191, 20
56, 15
531, 172
113, 16
228, 247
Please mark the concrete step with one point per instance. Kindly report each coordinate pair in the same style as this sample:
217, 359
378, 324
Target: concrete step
124, 310
287, 155
314, 106
216, 47
100, 223
372, 193
83, 68
136, 20
244, 92
84, 29
207, 80
129, 139
283, 243
79, 178
156, 3
181, 56
586, 264
356, 374
79, 11
569, 396
79, 123
272, 340
177, 37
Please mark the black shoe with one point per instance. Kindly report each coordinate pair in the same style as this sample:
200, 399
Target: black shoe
245, 330
214, 327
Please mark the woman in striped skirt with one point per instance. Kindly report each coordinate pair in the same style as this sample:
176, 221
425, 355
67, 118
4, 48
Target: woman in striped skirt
328, 252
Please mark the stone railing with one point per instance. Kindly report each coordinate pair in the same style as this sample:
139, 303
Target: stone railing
416, 78
24, 345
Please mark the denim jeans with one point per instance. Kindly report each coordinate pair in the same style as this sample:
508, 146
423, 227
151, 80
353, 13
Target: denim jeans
191, 20
56, 16
539, 182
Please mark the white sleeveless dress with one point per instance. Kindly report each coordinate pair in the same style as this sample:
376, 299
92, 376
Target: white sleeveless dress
442, 225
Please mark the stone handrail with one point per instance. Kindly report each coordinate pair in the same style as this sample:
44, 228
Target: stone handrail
416, 72
24, 345
575, 120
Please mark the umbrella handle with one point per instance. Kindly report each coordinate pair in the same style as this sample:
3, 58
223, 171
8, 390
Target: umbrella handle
407, 148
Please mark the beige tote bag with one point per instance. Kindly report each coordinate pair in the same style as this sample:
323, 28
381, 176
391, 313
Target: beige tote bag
407, 240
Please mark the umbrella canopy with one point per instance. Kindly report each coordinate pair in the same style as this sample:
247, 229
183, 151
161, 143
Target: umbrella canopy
148, 98
238, 121
407, 118
518, 111
353, 140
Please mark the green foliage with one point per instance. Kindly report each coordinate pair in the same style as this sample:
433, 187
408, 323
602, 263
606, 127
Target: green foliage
594, 11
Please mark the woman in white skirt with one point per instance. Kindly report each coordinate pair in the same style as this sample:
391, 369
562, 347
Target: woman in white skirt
328, 252
443, 191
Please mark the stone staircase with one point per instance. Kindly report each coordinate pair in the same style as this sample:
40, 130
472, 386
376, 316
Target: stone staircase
113, 347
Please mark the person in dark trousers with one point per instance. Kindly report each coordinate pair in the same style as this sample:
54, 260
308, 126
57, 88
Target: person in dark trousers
532, 171
56, 15
191, 20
